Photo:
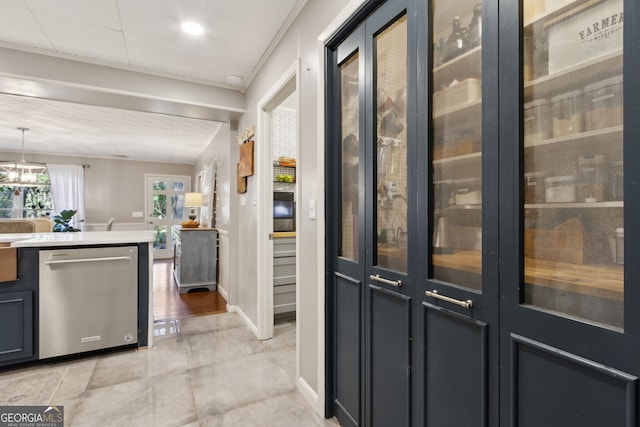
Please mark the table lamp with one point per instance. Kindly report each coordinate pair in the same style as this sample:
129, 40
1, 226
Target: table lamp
192, 201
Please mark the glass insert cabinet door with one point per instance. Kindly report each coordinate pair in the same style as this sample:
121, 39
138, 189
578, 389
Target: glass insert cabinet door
573, 198
350, 132
391, 146
457, 142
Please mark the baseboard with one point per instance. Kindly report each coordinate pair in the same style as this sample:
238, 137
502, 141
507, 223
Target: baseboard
222, 291
252, 327
309, 395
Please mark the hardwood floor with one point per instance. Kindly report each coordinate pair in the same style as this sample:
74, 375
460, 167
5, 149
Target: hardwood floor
169, 304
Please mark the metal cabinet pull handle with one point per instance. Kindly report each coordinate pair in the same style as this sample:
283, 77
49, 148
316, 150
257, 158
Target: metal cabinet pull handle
79, 260
434, 294
377, 278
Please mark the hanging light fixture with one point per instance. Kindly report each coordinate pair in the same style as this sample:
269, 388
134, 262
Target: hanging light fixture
21, 174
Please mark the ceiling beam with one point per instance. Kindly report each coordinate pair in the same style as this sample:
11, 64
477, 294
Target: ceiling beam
38, 75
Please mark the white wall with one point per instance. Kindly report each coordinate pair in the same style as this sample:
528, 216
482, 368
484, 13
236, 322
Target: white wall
219, 150
113, 187
110, 180
301, 41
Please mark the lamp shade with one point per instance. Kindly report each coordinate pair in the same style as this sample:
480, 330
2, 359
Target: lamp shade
193, 199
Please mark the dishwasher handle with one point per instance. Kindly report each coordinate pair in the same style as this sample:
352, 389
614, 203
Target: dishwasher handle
79, 260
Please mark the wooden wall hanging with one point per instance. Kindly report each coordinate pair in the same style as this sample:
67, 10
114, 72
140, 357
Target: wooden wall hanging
245, 165
242, 182
246, 159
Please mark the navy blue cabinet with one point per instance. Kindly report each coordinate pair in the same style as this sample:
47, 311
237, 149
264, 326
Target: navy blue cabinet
16, 311
18, 301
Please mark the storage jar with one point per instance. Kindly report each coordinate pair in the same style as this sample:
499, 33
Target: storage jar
444, 194
604, 103
468, 191
620, 245
560, 189
617, 180
567, 113
593, 172
537, 115
534, 191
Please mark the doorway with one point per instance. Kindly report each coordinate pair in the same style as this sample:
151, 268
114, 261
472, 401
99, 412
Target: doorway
278, 127
164, 207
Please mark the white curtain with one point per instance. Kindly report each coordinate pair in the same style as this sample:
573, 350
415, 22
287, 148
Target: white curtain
67, 190
18, 204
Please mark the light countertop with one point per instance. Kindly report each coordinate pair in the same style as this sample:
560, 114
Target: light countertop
82, 238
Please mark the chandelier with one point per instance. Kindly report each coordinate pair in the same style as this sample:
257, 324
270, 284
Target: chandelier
22, 174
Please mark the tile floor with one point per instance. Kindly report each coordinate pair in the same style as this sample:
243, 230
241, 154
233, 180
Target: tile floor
202, 371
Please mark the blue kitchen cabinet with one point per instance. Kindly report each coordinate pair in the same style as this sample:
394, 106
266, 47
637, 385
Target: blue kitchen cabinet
18, 311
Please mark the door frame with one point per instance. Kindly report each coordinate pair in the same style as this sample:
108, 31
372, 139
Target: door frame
289, 83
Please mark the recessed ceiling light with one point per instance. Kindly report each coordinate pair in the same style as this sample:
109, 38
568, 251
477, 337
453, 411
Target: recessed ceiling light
234, 80
192, 28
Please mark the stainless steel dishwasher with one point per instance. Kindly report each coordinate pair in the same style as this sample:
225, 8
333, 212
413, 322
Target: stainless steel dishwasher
88, 299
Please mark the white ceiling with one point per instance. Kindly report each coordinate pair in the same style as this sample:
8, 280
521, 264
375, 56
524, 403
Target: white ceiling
68, 128
138, 35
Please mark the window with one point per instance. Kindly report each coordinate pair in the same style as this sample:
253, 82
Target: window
26, 202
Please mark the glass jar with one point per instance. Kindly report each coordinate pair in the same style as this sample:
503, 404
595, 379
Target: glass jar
604, 103
468, 191
620, 245
594, 178
617, 180
560, 189
534, 191
567, 113
537, 115
444, 192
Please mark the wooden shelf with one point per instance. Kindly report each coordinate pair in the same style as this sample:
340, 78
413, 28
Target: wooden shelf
277, 164
467, 65
466, 113
575, 77
575, 205
392, 257
550, 15
469, 261
462, 207
457, 159
605, 135
601, 280
562, 12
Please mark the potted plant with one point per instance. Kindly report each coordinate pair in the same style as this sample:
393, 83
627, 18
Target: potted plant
61, 221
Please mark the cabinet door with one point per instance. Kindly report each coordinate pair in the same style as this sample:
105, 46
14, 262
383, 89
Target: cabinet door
370, 227
459, 289
345, 235
197, 257
389, 221
570, 334
16, 313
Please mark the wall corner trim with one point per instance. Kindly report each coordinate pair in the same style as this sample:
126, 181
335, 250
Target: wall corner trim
252, 327
310, 395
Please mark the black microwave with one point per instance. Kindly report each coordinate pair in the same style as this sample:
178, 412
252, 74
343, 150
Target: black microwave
284, 211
